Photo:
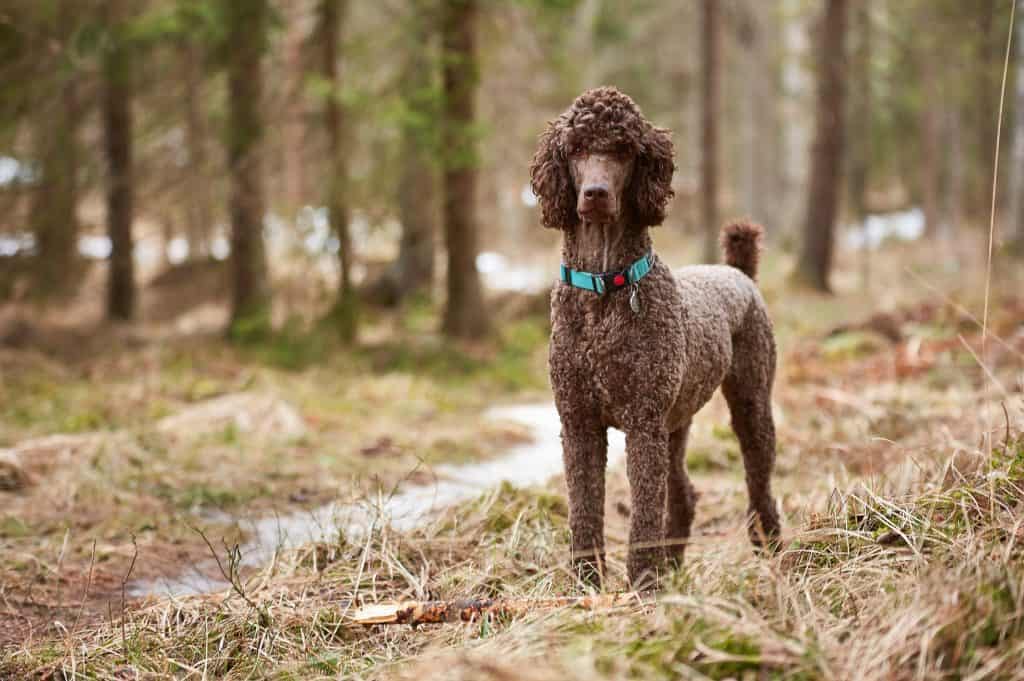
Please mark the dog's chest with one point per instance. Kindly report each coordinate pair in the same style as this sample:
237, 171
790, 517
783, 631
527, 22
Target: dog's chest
604, 353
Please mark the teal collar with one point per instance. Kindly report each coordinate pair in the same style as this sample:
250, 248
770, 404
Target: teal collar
603, 282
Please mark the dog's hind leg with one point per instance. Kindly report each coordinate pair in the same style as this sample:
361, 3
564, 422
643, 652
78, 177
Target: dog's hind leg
680, 497
747, 389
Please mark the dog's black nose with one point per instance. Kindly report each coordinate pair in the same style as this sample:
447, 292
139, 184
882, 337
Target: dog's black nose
595, 192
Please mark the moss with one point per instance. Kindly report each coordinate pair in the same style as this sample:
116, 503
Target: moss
12, 527
852, 344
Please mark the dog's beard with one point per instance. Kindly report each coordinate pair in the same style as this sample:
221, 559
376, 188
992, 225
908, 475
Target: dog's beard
599, 239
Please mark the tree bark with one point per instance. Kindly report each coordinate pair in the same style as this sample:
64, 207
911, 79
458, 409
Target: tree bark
417, 186
250, 301
117, 129
955, 195
343, 314
1016, 236
859, 158
930, 166
54, 216
464, 315
199, 207
293, 128
711, 49
860, 113
815, 260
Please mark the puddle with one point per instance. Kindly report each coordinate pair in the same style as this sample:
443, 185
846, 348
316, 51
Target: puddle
523, 465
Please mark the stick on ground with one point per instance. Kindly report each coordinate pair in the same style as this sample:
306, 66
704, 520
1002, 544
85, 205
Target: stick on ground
435, 612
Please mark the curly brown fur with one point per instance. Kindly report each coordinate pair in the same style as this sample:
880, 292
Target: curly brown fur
603, 120
741, 246
647, 374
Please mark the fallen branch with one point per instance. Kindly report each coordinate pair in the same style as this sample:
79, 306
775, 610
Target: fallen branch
436, 612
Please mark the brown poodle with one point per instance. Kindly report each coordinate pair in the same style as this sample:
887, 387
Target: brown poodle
638, 348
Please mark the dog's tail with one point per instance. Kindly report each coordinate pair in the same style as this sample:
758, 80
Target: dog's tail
741, 246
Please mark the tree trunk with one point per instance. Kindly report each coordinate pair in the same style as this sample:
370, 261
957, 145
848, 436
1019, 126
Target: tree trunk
199, 208
859, 157
860, 114
417, 208
986, 101
756, 97
117, 129
1016, 236
250, 301
464, 315
417, 185
343, 314
930, 167
955, 195
293, 127
711, 44
815, 261
54, 217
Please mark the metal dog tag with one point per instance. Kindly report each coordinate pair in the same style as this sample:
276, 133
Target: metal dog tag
634, 300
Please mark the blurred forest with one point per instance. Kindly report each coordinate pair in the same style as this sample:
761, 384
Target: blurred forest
275, 316
373, 151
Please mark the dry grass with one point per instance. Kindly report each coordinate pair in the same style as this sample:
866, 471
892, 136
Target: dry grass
918, 580
902, 557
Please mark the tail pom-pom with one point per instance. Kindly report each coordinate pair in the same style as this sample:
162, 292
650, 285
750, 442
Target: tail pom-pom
741, 246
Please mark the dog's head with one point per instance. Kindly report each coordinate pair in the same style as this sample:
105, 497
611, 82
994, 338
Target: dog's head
600, 161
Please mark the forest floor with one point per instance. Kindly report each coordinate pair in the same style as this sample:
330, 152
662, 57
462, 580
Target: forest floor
900, 475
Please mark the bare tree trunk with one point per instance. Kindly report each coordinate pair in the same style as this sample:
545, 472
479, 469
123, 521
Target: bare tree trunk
250, 301
343, 314
54, 216
815, 260
860, 114
955, 195
861, 130
986, 100
930, 167
199, 208
753, 108
711, 45
293, 128
465, 315
117, 129
1016, 236
417, 185
770, 168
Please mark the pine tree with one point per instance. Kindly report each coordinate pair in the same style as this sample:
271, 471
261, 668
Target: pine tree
343, 314
118, 65
815, 260
247, 30
465, 315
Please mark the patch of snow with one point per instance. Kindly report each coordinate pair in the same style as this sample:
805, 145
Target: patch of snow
501, 275
907, 225
95, 246
524, 465
13, 244
527, 196
177, 250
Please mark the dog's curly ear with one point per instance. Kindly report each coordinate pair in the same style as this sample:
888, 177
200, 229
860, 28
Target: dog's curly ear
651, 186
551, 182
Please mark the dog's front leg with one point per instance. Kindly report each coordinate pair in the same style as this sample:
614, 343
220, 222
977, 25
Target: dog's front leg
647, 457
585, 455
